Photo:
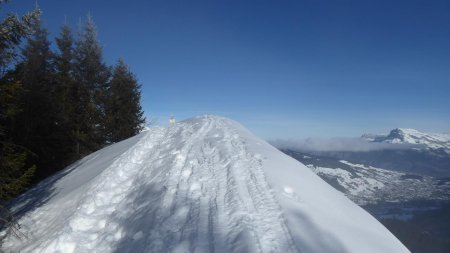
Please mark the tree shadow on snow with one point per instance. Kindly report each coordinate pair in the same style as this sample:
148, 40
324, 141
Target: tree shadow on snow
155, 226
40, 193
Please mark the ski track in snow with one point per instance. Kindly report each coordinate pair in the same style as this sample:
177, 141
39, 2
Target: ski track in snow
198, 190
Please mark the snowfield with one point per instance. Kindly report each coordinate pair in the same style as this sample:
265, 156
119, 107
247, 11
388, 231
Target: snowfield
203, 185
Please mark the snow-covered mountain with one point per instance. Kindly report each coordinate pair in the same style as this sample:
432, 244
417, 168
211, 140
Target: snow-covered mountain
202, 185
366, 184
412, 136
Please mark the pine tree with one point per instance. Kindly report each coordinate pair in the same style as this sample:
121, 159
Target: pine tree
64, 63
15, 172
124, 111
92, 76
38, 126
67, 94
13, 29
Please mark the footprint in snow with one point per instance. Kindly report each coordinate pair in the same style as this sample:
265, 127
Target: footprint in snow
186, 173
290, 193
195, 190
260, 157
138, 235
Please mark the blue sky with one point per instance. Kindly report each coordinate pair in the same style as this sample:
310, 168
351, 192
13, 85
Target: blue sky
284, 69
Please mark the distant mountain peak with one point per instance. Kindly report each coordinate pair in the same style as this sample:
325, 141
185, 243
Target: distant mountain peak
412, 136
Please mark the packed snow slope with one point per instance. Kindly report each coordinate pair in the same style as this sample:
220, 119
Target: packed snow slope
203, 185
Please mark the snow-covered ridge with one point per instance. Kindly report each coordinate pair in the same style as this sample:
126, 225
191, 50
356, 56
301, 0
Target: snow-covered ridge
203, 185
412, 136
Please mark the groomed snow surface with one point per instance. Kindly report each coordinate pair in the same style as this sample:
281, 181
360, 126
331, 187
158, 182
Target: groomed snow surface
203, 185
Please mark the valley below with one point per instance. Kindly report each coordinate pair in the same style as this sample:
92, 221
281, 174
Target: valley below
414, 206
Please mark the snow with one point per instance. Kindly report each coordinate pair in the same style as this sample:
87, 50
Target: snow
202, 185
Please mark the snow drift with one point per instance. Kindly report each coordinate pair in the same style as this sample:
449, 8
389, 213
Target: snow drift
202, 185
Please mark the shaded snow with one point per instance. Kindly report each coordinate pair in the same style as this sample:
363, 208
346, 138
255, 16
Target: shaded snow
202, 185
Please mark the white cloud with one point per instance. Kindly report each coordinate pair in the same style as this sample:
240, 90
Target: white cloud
337, 144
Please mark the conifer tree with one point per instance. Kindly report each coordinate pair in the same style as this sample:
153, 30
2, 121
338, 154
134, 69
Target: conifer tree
15, 172
67, 93
92, 76
38, 126
58, 107
124, 111
64, 62
13, 28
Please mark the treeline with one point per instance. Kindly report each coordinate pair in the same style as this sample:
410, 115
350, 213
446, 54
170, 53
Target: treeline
59, 105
